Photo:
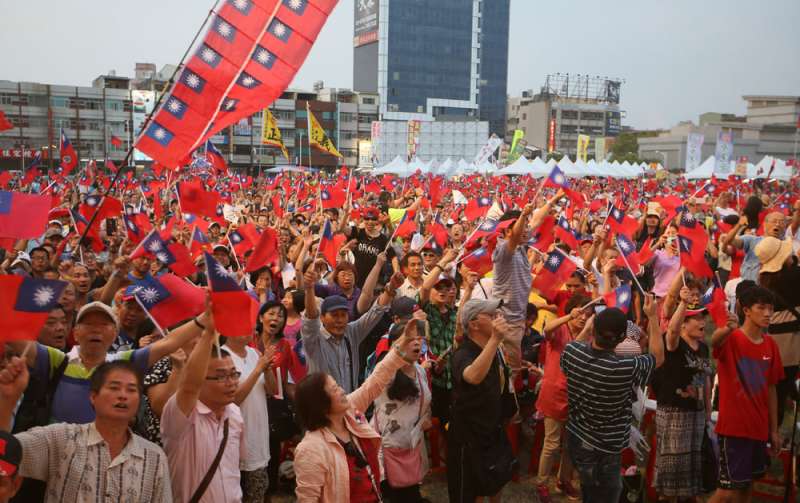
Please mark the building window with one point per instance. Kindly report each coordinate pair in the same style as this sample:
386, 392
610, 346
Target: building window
569, 114
327, 115
524, 117
368, 101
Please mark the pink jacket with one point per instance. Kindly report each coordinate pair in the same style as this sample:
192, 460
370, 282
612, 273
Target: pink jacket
320, 464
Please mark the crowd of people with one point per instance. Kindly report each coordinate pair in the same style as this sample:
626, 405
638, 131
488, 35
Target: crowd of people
433, 330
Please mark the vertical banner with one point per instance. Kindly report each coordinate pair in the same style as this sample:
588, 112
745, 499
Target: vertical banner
413, 138
518, 145
270, 134
551, 136
142, 103
583, 147
599, 149
487, 150
694, 150
723, 153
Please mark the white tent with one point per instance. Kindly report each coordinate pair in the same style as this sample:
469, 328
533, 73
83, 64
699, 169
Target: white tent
445, 168
521, 166
464, 168
762, 169
397, 167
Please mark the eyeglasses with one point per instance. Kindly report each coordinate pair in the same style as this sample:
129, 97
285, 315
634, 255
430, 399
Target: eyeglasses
233, 376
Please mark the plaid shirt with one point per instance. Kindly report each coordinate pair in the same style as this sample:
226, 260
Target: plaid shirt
443, 330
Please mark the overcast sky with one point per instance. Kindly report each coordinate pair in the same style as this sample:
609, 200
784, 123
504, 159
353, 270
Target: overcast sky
678, 58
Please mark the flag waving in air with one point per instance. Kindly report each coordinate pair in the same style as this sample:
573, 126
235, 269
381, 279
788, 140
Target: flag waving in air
318, 138
555, 271
168, 299
234, 314
25, 305
69, 159
23, 216
270, 134
248, 56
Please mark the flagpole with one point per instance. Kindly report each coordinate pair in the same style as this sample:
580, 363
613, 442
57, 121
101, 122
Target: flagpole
147, 121
625, 259
308, 127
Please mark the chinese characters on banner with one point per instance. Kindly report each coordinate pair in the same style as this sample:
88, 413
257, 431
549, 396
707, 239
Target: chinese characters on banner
413, 138
583, 147
723, 153
270, 134
694, 150
551, 136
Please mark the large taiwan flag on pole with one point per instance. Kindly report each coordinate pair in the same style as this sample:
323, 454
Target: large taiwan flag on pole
248, 56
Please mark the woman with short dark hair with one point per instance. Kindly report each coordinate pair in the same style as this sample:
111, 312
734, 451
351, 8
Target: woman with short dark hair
337, 460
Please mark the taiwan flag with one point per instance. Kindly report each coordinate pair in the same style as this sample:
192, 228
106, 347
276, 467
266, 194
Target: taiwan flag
544, 235
628, 258
407, 225
234, 310
106, 207
25, 305
195, 199
332, 197
137, 225
621, 223
216, 159
168, 299
479, 261
199, 242
619, 298
565, 233
329, 245
477, 208
173, 255
714, 301
23, 216
693, 258
555, 271
69, 159
265, 251
439, 232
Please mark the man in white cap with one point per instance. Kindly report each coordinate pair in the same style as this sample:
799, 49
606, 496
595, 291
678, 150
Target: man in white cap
95, 331
480, 457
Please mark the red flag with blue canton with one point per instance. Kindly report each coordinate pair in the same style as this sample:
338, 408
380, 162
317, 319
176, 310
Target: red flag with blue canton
565, 233
628, 249
478, 207
91, 234
216, 159
249, 55
137, 226
439, 232
69, 159
555, 271
195, 199
332, 197
243, 239
407, 225
479, 261
619, 298
327, 245
23, 216
714, 301
233, 308
544, 235
110, 207
265, 251
25, 305
621, 223
692, 252
168, 299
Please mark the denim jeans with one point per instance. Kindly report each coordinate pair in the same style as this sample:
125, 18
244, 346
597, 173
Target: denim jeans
600, 473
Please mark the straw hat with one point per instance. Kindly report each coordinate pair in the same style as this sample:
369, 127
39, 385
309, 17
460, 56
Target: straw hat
772, 253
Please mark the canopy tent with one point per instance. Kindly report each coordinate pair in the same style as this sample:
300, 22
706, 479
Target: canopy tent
291, 168
397, 167
780, 172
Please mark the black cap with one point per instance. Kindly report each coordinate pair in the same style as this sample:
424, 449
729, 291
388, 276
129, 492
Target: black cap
610, 326
403, 307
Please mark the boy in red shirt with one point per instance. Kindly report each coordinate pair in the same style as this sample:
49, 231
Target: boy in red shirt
749, 366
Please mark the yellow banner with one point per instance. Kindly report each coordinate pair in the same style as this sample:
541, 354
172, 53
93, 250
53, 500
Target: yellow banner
599, 149
583, 147
319, 139
270, 134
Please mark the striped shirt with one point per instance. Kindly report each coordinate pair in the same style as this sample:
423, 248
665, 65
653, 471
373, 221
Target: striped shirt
600, 392
512, 280
74, 461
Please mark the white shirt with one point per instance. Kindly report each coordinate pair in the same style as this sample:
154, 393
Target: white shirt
408, 290
795, 238
254, 413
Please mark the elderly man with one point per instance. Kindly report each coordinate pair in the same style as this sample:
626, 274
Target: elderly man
774, 225
99, 461
330, 341
480, 460
95, 331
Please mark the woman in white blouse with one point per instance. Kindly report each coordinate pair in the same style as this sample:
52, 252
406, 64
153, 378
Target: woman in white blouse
402, 414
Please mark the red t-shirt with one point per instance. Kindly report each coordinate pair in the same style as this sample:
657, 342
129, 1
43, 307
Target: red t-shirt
552, 401
746, 371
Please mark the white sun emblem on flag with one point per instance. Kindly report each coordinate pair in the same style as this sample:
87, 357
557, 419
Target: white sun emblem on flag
192, 80
224, 29
174, 106
263, 56
229, 104
208, 55
623, 297
295, 4
148, 295
248, 81
160, 134
279, 30
559, 179
624, 245
162, 257
553, 261
223, 272
43, 295
154, 246
240, 4
131, 225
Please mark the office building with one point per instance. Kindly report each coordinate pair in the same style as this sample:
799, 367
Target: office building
769, 127
443, 60
565, 107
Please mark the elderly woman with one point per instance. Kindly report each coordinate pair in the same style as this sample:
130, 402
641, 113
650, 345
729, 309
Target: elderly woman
337, 460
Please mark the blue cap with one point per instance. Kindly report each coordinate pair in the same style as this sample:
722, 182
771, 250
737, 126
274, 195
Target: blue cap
334, 303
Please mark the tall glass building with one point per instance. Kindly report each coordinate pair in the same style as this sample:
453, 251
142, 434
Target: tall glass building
434, 59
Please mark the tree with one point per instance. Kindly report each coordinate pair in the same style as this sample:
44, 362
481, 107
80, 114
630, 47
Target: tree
625, 148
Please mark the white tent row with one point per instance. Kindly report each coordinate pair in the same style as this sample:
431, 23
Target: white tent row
537, 168
578, 169
759, 170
